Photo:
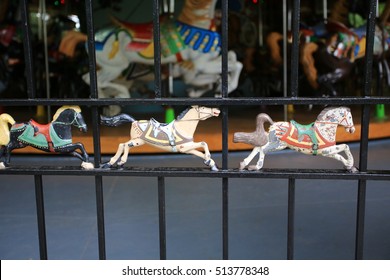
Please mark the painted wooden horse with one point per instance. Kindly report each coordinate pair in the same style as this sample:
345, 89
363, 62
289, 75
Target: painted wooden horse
328, 52
54, 137
190, 42
176, 136
317, 138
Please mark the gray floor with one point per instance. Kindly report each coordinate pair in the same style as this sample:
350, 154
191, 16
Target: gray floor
324, 222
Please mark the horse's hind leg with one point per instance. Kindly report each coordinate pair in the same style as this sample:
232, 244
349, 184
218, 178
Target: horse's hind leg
249, 158
115, 158
2, 149
275, 145
128, 145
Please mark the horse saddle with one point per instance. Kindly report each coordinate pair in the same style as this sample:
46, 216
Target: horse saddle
43, 129
308, 130
37, 134
161, 132
142, 34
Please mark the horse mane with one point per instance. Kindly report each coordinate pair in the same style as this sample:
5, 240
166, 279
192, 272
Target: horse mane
187, 14
339, 11
63, 108
182, 114
326, 110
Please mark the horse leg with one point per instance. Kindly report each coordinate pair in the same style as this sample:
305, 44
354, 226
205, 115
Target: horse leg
333, 152
9, 148
2, 149
128, 145
115, 158
83, 156
272, 146
206, 155
249, 158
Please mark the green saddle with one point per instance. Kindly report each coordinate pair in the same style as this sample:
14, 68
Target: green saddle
307, 129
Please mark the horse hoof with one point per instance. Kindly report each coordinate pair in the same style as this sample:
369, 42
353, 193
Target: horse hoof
214, 168
119, 166
87, 165
352, 169
105, 165
242, 165
253, 168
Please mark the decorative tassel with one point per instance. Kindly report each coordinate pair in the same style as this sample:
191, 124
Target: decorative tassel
114, 50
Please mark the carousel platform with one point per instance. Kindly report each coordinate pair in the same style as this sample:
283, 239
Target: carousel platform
241, 119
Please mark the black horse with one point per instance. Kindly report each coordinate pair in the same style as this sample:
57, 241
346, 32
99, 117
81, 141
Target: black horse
54, 137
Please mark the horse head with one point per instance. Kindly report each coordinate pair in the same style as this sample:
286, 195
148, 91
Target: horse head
340, 115
206, 112
70, 115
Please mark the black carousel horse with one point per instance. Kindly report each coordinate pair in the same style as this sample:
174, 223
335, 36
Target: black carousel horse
54, 137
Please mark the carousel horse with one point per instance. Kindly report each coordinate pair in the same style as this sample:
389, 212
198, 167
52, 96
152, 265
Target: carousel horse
317, 138
190, 42
329, 52
176, 136
54, 137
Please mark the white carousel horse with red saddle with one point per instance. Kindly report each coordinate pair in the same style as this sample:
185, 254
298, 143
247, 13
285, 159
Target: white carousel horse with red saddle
317, 138
176, 136
190, 42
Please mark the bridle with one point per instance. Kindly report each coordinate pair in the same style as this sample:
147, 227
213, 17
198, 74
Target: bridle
75, 120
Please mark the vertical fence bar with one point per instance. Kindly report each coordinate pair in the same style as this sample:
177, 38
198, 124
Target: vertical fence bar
365, 122
295, 48
28, 53
291, 219
225, 128
157, 48
41, 217
294, 94
162, 218
96, 129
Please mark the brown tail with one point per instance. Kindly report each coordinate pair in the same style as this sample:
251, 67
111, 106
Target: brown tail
257, 138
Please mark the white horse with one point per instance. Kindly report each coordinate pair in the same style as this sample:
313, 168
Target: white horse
318, 138
190, 43
176, 136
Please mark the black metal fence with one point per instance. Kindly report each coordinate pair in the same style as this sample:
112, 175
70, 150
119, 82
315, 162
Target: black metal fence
224, 103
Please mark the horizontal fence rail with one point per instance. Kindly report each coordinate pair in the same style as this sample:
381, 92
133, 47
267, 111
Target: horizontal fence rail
225, 102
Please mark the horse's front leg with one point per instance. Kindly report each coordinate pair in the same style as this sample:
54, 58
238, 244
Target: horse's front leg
333, 152
191, 149
83, 156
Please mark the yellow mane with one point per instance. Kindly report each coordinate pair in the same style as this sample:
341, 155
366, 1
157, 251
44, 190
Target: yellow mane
63, 108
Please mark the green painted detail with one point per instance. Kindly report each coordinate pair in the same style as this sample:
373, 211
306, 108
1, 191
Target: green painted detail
28, 137
307, 129
171, 41
39, 140
57, 141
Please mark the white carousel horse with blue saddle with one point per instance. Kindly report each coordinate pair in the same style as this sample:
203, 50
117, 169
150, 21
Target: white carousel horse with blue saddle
190, 42
176, 136
317, 138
